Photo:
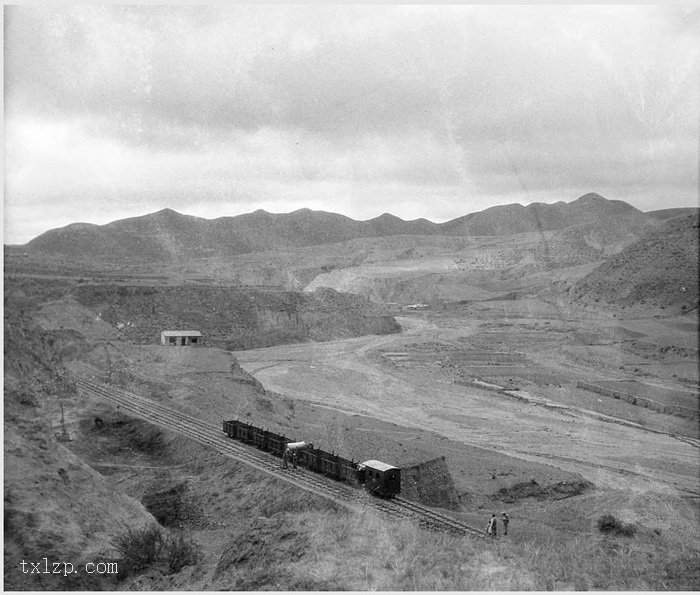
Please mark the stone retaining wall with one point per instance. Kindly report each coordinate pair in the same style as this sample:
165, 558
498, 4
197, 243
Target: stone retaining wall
676, 410
430, 483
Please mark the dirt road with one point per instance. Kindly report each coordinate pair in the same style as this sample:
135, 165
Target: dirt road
354, 377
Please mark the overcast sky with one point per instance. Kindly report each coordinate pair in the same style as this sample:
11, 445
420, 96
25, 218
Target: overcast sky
420, 111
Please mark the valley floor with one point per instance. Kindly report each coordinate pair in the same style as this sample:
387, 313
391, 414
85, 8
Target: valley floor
416, 380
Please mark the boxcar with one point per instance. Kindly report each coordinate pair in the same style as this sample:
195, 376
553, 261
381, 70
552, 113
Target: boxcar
379, 478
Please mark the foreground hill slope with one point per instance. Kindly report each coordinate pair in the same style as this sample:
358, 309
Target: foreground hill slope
56, 506
661, 269
167, 236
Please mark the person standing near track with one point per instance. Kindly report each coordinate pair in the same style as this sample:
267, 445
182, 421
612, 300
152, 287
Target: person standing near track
505, 520
492, 527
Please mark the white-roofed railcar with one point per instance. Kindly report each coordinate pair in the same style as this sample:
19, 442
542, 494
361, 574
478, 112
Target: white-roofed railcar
380, 478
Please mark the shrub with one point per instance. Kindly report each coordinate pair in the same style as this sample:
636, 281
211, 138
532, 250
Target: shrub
628, 530
609, 524
148, 546
181, 552
139, 548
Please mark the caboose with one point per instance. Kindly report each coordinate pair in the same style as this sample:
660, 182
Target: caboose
379, 478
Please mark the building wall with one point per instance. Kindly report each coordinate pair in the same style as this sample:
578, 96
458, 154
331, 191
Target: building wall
181, 340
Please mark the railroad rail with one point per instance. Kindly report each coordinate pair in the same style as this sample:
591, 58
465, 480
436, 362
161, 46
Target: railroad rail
210, 435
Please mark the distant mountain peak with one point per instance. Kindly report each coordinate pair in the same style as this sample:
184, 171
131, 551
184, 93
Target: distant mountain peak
591, 197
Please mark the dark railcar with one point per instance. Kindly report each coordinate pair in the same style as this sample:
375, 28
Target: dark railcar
328, 464
260, 438
246, 432
347, 471
309, 458
231, 428
276, 443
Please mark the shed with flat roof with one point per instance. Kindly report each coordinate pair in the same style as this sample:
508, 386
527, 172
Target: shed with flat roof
181, 338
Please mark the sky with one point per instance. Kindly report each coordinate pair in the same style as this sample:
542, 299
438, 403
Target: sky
420, 111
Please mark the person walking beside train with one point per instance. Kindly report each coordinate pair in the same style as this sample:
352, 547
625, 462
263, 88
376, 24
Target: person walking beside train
492, 527
505, 520
294, 458
285, 458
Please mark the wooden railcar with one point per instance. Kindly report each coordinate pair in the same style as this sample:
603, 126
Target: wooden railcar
379, 478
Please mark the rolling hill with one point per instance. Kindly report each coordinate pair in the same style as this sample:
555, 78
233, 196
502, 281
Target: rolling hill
168, 236
666, 214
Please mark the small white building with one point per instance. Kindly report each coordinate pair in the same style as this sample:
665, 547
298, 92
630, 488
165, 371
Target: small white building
179, 338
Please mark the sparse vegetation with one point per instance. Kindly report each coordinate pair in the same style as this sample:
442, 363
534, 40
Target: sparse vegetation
180, 552
168, 504
149, 546
139, 548
532, 489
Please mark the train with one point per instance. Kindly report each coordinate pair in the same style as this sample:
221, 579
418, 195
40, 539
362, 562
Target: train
378, 478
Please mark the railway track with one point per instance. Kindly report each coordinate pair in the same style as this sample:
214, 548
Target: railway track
213, 436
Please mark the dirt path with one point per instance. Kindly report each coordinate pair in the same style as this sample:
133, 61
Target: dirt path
351, 376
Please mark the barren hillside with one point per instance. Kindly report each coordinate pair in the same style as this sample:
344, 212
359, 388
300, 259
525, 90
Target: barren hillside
235, 318
659, 270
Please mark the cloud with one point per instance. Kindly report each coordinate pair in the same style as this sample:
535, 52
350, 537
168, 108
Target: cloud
345, 71
246, 105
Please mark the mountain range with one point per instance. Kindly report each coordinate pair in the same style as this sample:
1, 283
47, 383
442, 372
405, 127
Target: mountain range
170, 236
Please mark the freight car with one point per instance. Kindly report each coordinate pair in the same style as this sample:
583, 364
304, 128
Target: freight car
378, 478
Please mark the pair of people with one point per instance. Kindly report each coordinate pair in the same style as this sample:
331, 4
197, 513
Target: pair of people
492, 527
286, 455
